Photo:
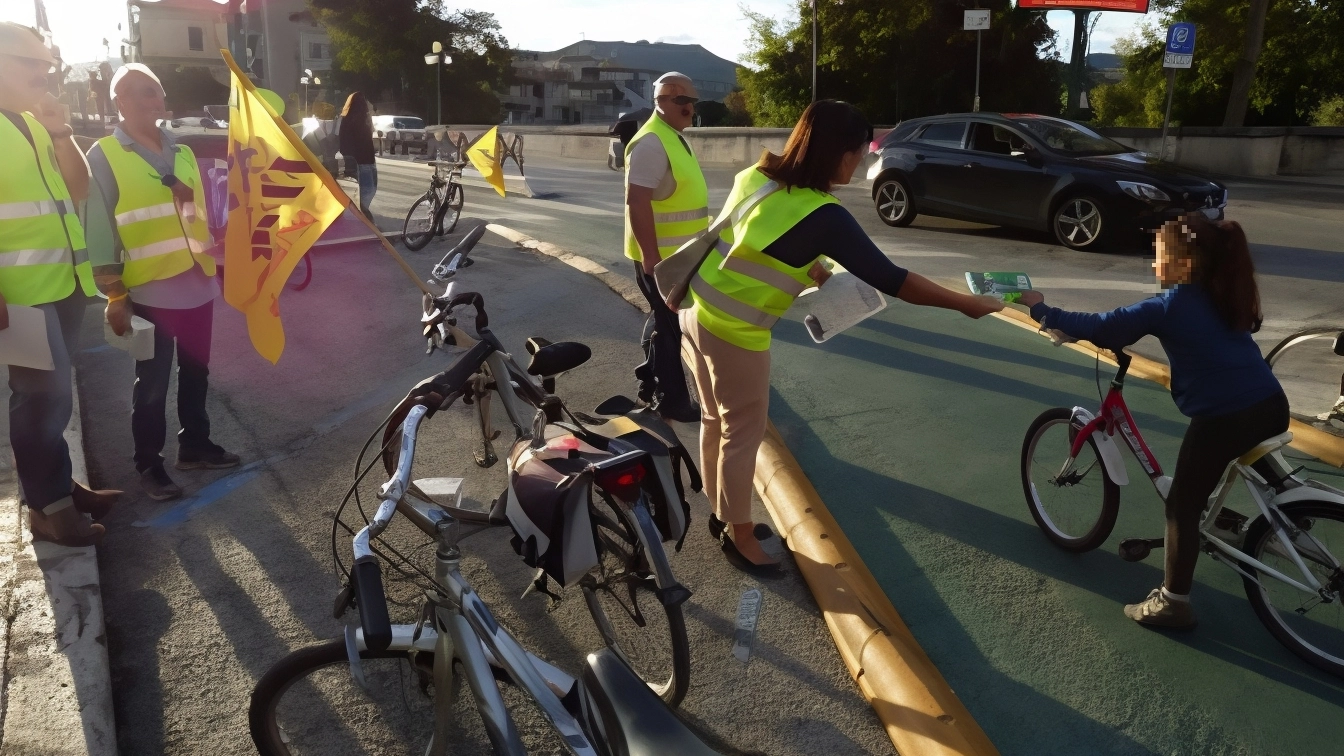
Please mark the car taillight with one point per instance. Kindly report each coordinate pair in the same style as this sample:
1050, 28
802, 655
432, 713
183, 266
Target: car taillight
622, 482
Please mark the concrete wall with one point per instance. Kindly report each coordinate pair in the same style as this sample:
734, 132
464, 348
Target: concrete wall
1245, 151
713, 146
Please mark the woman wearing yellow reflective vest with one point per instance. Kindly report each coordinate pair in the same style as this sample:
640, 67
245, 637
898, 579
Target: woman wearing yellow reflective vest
772, 255
147, 239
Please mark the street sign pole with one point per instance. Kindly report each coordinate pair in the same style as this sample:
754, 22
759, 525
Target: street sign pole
976, 20
978, 35
1166, 119
1180, 53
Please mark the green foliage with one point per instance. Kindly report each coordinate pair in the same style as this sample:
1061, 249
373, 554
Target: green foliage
1329, 113
1301, 65
379, 48
898, 59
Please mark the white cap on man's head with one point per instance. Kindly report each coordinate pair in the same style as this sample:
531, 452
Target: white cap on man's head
674, 84
128, 68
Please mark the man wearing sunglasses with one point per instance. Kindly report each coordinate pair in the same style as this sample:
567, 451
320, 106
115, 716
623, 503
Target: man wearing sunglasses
666, 205
44, 266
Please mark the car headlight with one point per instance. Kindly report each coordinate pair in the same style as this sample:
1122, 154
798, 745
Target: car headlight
1145, 192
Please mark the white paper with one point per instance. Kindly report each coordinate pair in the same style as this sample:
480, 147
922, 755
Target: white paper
139, 340
844, 301
24, 342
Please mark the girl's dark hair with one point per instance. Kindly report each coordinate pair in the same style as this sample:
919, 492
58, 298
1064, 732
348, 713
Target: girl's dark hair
1221, 264
826, 131
355, 105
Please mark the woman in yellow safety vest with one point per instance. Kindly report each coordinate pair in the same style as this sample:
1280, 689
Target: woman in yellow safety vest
759, 266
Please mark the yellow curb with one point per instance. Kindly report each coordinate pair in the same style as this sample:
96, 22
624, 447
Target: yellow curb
1324, 446
921, 714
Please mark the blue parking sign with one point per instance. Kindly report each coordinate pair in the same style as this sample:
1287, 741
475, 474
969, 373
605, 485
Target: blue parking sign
1181, 39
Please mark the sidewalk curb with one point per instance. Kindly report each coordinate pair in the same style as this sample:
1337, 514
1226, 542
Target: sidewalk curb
60, 700
1326, 447
921, 713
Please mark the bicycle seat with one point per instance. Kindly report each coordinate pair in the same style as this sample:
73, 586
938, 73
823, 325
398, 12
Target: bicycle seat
553, 359
1265, 447
623, 714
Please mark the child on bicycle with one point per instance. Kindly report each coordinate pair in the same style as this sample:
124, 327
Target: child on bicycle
1204, 319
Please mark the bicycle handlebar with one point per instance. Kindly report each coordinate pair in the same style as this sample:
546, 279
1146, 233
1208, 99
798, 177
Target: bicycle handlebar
445, 269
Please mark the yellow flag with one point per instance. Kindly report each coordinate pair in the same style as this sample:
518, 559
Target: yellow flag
281, 199
483, 155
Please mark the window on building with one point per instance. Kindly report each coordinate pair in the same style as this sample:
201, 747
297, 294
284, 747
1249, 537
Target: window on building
195, 38
539, 90
541, 112
316, 51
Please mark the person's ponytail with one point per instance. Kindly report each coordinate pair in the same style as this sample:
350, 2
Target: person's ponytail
1224, 268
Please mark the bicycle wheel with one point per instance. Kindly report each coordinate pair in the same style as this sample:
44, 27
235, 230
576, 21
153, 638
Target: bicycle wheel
623, 599
419, 226
308, 703
452, 208
1308, 368
1308, 624
1076, 511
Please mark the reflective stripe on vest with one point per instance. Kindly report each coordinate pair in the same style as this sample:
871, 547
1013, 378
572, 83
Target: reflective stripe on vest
42, 252
158, 243
685, 214
740, 292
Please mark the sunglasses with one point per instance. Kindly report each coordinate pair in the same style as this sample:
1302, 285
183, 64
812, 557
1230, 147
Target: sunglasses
681, 99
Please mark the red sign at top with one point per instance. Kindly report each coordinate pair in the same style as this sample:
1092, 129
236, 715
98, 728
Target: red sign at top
1130, 6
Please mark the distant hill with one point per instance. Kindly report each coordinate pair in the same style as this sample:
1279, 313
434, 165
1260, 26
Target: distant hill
1104, 61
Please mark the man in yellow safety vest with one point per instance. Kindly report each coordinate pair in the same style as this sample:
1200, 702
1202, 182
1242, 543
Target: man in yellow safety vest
43, 266
666, 205
147, 239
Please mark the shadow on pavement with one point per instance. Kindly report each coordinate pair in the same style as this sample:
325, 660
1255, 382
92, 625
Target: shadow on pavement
1295, 262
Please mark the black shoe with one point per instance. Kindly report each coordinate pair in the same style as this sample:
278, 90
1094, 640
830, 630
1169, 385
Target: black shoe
214, 458
735, 558
688, 413
716, 526
158, 485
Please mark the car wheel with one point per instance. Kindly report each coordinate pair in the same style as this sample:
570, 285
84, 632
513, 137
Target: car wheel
894, 202
1080, 222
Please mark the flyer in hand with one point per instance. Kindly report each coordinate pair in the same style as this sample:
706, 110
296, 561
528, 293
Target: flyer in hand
843, 302
1005, 286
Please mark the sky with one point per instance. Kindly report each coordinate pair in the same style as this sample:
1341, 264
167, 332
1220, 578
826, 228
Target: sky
79, 26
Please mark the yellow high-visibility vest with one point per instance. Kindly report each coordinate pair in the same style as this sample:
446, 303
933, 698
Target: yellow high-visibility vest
158, 242
682, 216
42, 248
741, 299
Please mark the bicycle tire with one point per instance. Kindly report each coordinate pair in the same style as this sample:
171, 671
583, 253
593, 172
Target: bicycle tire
1099, 530
414, 233
1293, 340
618, 544
452, 208
267, 734
1291, 635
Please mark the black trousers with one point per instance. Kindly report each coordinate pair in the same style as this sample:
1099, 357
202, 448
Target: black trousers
1210, 443
40, 406
661, 377
190, 332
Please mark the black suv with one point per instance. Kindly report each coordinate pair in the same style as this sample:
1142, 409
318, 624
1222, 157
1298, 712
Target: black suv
1034, 172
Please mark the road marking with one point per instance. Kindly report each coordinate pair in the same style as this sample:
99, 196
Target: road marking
212, 492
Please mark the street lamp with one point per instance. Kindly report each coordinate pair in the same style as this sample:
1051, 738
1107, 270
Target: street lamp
307, 76
432, 59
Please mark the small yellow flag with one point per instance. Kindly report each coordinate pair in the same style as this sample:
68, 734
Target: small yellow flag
484, 155
281, 200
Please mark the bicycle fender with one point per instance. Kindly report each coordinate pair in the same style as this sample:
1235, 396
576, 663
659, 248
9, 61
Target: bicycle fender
1307, 493
1106, 447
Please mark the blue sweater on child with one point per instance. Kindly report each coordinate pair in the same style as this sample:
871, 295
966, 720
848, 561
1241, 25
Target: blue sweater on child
1214, 369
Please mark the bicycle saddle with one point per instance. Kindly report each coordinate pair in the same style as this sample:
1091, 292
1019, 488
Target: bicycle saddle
553, 359
624, 716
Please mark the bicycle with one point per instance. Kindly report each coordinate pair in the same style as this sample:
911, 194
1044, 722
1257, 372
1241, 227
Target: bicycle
1072, 471
437, 211
1303, 362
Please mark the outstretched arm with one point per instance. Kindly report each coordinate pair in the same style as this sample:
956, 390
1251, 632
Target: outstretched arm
918, 290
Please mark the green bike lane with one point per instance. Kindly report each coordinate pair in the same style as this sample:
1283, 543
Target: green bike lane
910, 426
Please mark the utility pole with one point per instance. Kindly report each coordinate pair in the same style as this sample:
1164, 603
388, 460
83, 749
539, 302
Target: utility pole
814, 50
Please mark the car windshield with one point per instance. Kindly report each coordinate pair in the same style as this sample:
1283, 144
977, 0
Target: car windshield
1070, 138
407, 123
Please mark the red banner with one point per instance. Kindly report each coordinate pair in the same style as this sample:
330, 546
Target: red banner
1129, 6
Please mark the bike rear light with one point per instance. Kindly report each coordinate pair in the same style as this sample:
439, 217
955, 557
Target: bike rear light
622, 482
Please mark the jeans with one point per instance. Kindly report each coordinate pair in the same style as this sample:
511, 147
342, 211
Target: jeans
40, 406
368, 186
662, 380
188, 330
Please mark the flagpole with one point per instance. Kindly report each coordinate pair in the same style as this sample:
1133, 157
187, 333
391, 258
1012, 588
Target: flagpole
330, 182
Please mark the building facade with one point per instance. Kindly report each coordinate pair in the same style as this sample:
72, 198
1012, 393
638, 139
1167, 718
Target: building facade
594, 82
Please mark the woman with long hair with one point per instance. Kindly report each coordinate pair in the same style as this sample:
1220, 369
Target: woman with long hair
356, 139
1204, 319
758, 267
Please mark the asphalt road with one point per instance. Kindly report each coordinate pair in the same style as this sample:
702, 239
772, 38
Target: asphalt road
203, 596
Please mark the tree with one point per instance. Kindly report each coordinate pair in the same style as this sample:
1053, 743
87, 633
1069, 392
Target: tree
1243, 73
1300, 65
898, 59
379, 48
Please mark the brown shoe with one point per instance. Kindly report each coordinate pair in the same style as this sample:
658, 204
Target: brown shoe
95, 504
67, 526
1159, 611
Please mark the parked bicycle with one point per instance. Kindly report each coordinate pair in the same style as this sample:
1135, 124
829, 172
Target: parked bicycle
1072, 471
437, 211
1310, 366
572, 477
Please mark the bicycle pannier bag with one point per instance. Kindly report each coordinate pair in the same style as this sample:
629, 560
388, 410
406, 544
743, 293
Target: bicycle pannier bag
548, 511
673, 273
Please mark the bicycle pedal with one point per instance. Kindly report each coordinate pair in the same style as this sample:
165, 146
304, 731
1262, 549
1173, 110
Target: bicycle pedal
1137, 549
